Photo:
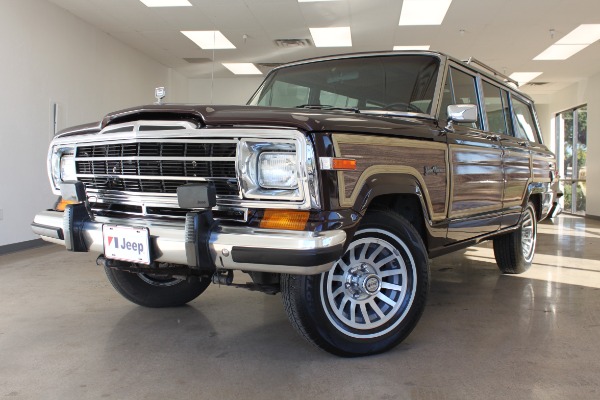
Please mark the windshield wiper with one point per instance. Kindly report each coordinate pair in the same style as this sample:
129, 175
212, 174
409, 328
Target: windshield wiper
328, 107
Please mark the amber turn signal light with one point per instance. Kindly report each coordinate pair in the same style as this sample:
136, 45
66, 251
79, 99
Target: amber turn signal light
337, 164
62, 204
284, 219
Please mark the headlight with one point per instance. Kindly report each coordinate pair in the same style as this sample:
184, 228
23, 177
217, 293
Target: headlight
271, 169
67, 168
62, 165
277, 170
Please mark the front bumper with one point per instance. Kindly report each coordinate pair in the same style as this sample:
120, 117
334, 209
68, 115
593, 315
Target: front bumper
230, 247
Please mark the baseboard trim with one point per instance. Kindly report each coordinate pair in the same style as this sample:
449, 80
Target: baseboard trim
29, 244
596, 217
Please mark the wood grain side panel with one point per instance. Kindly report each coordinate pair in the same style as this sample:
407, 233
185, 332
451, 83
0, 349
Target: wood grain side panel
518, 174
478, 180
542, 165
411, 156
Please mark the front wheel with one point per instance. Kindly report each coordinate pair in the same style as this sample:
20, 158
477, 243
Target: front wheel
155, 291
514, 251
372, 297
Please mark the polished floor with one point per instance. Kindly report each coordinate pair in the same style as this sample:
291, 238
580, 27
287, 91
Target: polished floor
66, 334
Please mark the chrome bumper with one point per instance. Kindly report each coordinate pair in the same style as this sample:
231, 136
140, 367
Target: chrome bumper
230, 247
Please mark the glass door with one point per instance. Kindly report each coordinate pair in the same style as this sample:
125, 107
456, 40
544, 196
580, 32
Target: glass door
571, 151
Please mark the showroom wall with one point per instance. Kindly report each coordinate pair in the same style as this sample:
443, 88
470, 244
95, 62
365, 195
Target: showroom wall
584, 92
49, 55
223, 90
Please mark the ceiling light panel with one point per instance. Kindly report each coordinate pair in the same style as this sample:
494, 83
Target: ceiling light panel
423, 12
524, 77
209, 40
399, 48
166, 3
332, 37
560, 51
242, 68
583, 34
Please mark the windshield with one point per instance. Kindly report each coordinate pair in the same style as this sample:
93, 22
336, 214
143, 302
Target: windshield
398, 83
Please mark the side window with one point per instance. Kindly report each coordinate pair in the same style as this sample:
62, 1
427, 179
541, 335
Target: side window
496, 109
447, 99
525, 127
464, 92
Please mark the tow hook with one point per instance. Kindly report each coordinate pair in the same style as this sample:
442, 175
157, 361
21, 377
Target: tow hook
223, 277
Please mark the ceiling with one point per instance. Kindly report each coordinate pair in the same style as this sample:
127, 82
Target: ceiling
505, 34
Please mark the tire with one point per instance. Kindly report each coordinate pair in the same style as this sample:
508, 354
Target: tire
150, 291
372, 297
514, 251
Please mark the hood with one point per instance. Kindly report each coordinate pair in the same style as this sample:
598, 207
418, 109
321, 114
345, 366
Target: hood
253, 116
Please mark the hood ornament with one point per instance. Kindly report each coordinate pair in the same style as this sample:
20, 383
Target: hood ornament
160, 94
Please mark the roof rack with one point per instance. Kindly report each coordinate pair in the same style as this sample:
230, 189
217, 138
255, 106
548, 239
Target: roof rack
476, 62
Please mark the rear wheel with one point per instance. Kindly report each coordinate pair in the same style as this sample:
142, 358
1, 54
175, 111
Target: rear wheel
149, 290
514, 251
372, 297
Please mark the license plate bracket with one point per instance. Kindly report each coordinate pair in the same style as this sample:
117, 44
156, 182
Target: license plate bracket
126, 243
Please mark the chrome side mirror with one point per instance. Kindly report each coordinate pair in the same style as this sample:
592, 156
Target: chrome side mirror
461, 113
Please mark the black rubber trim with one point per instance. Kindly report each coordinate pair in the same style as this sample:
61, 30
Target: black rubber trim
49, 231
293, 258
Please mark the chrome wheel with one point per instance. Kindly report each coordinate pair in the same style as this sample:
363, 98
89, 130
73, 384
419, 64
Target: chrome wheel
368, 292
528, 235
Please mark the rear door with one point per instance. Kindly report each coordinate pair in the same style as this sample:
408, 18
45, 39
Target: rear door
517, 154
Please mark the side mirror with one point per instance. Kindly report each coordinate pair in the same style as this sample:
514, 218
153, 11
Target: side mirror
461, 113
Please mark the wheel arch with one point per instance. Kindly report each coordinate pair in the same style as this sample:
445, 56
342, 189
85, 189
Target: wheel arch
401, 193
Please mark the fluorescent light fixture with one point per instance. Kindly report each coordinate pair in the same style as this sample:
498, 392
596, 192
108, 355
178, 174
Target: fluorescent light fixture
583, 34
242, 68
331, 37
524, 77
423, 12
575, 41
397, 48
560, 51
166, 3
209, 39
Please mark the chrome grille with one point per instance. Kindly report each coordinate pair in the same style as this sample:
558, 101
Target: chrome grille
157, 167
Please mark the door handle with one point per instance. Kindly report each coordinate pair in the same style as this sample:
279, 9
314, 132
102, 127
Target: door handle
524, 143
495, 138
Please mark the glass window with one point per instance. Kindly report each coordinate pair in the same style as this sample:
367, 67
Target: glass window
496, 108
526, 127
337, 100
286, 94
401, 83
447, 100
464, 92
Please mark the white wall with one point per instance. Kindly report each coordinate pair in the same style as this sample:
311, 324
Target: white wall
585, 92
50, 55
223, 90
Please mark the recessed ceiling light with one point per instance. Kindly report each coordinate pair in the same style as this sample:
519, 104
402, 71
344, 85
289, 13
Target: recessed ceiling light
524, 77
166, 3
423, 12
396, 48
583, 34
242, 68
560, 51
575, 41
331, 37
209, 39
